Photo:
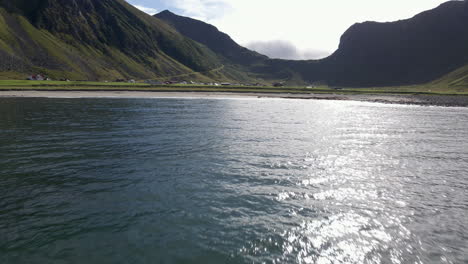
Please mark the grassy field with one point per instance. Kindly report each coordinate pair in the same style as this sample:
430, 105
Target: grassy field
429, 89
70, 85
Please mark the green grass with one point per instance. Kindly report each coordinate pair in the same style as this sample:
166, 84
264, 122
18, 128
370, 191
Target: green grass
456, 79
160, 89
434, 88
118, 86
66, 85
429, 89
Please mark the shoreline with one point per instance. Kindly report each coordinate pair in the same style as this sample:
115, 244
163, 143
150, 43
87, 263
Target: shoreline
427, 100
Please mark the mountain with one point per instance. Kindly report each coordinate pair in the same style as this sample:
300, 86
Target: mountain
412, 51
234, 55
94, 39
255, 64
211, 37
110, 39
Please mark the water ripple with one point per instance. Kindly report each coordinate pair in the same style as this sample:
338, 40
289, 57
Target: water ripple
231, 181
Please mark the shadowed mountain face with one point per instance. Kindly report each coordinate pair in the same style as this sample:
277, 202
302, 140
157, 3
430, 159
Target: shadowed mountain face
412, 51
29, 8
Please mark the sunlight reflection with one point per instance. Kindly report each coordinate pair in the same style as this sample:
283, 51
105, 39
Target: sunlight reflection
341, 238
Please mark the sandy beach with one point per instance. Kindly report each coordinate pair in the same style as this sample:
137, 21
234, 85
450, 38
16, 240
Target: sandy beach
436, 100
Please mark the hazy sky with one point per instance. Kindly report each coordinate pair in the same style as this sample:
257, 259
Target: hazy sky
293, 29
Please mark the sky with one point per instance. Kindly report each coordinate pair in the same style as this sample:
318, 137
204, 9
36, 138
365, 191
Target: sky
289, 29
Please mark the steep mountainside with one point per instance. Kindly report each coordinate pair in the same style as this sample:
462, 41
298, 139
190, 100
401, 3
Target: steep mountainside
242, 58
412, 51
211, 37
94, 39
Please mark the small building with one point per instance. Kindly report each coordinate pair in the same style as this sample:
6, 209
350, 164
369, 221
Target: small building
37, 77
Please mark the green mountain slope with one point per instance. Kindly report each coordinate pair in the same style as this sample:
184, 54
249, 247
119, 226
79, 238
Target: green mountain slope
94, 39
211, 37
244, 60
455, 79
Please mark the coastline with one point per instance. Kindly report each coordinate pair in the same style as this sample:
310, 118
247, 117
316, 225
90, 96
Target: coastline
428, 100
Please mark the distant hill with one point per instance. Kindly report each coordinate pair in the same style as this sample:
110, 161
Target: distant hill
246, 60
211, 37
238, 57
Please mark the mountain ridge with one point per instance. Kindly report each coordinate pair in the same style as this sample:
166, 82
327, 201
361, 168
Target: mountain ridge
415, 50
211, 37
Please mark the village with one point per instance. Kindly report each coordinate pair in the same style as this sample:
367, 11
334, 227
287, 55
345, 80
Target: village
42, 77
155, 82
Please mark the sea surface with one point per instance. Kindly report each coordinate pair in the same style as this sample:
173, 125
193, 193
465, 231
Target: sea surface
102, 181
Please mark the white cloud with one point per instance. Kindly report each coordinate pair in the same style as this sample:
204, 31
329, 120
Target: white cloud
202, 9
280, 49
148, 10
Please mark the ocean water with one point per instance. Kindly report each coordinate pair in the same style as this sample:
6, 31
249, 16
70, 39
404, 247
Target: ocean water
231, 181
